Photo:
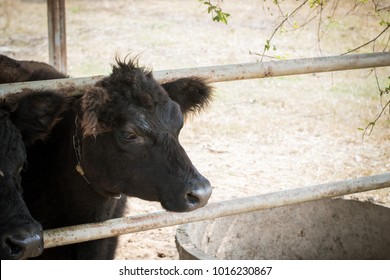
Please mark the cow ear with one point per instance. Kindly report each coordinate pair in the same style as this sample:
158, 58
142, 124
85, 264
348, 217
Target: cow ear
35, 113
93, 103
192, 94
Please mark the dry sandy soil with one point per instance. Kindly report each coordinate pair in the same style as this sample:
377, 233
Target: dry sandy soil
257, 136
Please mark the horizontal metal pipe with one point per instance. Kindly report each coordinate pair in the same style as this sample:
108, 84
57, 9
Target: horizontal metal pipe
119, 226
223, 73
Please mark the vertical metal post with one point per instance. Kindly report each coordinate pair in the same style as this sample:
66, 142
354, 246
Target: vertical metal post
57, 34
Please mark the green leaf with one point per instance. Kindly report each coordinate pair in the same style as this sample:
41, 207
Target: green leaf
216, 12
267, 45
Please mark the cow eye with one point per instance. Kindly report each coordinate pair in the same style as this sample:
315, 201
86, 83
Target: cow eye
128, 135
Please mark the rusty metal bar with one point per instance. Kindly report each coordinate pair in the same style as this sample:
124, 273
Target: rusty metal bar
224, 73
57, 34
119, 226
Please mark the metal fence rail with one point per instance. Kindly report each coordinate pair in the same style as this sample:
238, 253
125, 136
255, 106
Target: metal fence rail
224, 73
119, 226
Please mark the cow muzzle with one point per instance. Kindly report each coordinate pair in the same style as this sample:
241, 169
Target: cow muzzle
195, 195
22, 243
198, 197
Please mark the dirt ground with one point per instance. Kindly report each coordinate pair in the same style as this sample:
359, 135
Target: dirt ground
257, 136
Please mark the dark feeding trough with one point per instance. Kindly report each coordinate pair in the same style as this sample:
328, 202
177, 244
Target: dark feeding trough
324, 230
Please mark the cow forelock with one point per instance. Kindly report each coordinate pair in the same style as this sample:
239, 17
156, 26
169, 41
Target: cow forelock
133, 83
106, 105
92, 104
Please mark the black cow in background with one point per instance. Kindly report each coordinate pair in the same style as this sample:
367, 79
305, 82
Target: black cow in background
31, 116
13, 71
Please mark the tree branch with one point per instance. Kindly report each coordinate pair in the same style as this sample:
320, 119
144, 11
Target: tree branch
279, 26
369, 42
371, 125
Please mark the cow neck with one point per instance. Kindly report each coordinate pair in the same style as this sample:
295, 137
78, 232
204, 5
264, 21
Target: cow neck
79, 168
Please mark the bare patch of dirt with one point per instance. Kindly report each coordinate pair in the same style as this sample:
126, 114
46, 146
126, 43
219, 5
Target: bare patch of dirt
257, 136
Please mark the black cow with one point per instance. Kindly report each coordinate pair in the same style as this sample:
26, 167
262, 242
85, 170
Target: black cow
120, 138
21, 235
13, 71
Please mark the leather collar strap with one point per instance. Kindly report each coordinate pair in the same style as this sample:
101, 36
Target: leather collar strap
79, 168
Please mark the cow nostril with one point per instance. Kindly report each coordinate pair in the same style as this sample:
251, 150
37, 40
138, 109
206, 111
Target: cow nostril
192, 198
14, 246
198, 197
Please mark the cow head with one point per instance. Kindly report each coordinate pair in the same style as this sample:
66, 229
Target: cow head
30, 115
130, 126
